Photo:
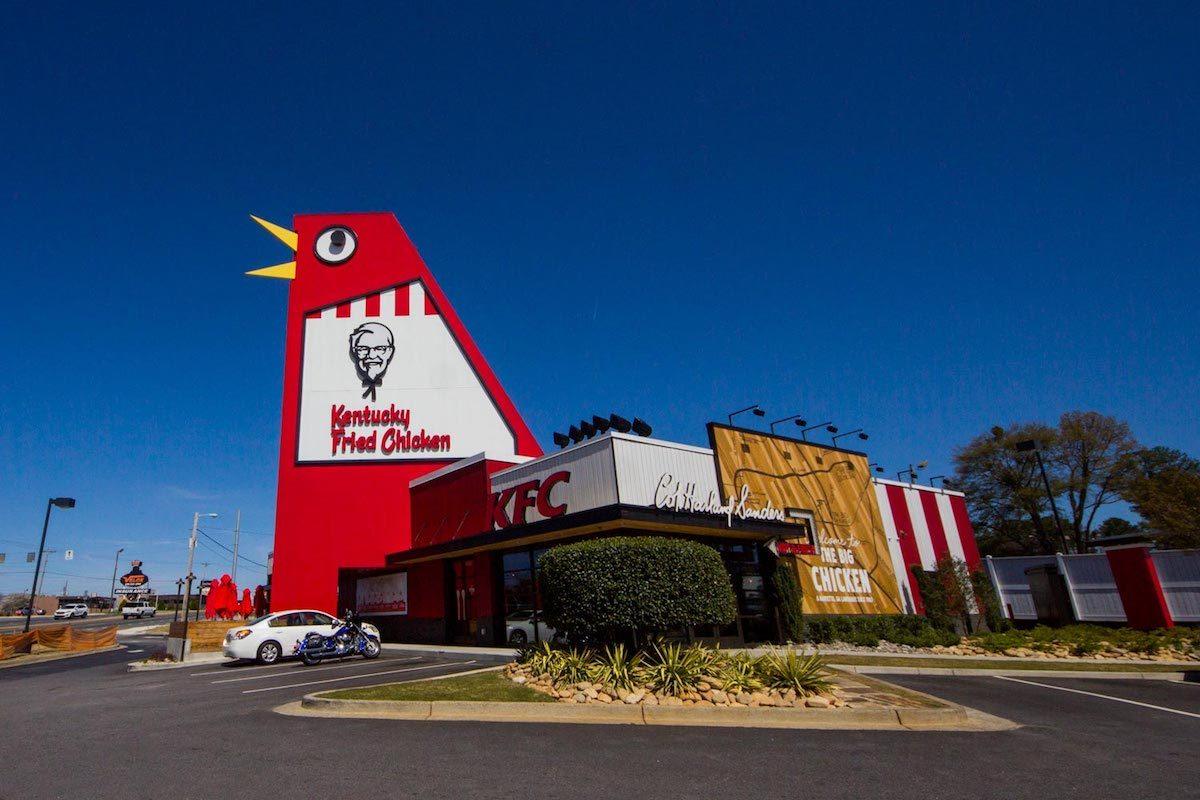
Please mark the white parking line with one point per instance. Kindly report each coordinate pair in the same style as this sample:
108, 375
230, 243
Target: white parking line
1101, 696
278, 665
352, 677
307, 670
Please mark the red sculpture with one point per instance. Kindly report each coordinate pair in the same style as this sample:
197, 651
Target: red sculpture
222, 601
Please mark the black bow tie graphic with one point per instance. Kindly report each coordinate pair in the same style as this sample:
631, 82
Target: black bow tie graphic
369, 386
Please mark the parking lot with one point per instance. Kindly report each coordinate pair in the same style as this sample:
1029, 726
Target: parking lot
86, 728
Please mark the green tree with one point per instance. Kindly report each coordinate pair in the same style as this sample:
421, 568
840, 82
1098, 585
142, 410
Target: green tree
1088, 459
1164, 489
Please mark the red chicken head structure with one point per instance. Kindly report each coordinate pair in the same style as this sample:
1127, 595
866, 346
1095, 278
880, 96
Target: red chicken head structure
382, 384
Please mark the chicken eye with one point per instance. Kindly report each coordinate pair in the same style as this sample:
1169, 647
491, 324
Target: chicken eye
335, 245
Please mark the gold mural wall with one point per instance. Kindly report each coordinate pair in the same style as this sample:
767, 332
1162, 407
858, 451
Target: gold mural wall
851, 572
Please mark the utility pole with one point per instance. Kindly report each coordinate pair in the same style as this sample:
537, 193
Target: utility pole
187, 596
237, 529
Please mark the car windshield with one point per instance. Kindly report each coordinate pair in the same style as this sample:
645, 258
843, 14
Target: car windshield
258, 619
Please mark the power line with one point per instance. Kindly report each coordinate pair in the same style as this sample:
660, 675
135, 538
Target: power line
230, 551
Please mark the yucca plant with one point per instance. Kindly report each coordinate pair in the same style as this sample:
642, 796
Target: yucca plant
538, 657
570, 666
710, 659
673, 669
616, 668
786, 670
740, 674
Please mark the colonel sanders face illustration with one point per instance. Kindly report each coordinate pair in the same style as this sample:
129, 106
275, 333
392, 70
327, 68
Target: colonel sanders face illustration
371, 350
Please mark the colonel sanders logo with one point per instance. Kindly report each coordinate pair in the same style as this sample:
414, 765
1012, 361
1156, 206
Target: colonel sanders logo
371, 350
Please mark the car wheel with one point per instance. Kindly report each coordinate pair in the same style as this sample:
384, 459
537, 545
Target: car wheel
518, 637
269, 652
371, 648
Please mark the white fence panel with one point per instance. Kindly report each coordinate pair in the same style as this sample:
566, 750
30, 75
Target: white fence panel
1012, 584
1179, 574
1092, 587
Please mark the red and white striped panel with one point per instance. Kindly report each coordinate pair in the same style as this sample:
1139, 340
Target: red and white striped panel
400, 301
922, 525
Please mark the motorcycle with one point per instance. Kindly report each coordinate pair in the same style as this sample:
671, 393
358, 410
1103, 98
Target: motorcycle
349, 639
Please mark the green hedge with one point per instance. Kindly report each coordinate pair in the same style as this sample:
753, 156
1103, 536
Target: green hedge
603, 589
789, 598
989, 602
866, 630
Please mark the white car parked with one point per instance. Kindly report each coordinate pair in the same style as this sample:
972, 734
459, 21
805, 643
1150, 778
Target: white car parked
275, 636
71, 610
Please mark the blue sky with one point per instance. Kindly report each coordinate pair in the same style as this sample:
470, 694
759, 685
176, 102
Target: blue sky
924, 220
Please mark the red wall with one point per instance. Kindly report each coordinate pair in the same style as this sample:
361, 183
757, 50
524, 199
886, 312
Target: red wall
454, 505
1137, 583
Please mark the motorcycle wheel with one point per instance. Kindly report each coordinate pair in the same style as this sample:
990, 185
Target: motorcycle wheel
309, 659
371, 649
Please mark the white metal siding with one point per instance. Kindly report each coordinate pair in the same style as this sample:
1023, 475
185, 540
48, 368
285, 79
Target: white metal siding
592, 485
642, 463
1179, 574
1093, 588
1012, 584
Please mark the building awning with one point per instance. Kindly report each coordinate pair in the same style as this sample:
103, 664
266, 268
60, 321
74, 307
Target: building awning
609, 520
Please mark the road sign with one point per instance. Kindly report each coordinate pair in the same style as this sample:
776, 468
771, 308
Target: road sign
67, 556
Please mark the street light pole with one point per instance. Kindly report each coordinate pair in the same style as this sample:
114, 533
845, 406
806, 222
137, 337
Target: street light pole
1025, 447
61, 502
112, 591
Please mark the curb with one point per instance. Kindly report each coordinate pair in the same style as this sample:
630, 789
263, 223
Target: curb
193, 660
950, 717
18, 662
1192, 675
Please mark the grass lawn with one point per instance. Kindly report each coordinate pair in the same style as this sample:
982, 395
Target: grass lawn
964, 663
479, 686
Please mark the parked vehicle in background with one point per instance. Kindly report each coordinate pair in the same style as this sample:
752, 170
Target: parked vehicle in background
71, 610
518, 629
37, 612
140, 608
275, 636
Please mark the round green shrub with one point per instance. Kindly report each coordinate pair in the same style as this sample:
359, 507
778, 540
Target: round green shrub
602, 589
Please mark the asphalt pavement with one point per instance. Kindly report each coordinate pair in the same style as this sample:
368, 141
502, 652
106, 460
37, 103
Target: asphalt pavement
17, 624
87, 728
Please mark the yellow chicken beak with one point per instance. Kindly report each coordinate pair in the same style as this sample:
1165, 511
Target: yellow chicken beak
286, 270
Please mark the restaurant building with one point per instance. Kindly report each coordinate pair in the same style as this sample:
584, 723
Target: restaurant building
411, 489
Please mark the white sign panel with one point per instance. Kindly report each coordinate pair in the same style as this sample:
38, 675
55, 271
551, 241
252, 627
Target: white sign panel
383, 595
385, 380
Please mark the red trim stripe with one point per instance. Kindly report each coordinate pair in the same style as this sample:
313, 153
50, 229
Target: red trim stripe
313, 314
908, 541
402, 299
933, 521
343, 311
966, 533
372, 305
430, 309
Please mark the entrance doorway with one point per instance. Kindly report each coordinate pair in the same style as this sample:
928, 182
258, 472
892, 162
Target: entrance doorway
462, 584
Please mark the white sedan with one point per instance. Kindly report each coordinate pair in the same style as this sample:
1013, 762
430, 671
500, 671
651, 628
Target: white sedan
275, 636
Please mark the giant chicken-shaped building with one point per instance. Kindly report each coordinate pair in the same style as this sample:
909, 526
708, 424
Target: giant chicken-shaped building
382, 384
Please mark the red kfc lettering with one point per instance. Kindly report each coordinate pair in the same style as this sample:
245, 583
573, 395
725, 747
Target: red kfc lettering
543, 496
497, 508
524, 501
